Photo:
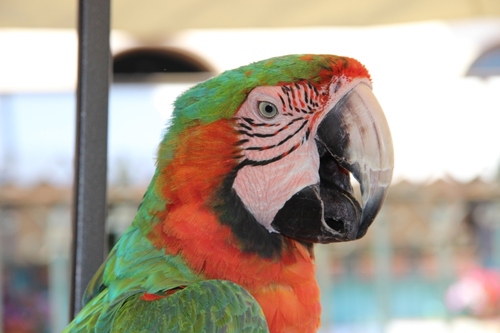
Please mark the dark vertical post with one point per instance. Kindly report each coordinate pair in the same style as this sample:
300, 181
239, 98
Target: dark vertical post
91, 144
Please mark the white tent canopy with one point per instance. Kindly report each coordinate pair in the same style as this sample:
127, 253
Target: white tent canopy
154, 18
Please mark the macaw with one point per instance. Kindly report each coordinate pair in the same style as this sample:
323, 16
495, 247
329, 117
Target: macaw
253, 171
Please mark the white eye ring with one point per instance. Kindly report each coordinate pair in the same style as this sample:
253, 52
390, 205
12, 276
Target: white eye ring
267, 109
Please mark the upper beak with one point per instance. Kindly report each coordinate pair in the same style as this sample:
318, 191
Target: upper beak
355, 135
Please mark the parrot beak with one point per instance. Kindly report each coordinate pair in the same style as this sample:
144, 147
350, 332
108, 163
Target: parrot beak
356, 136
353, 138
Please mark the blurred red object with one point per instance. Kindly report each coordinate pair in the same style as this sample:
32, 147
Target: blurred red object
477, 293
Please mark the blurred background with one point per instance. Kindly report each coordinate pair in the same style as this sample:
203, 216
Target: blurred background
430, 262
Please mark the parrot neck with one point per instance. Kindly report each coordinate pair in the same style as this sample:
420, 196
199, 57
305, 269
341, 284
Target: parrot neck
280, 276
284, 285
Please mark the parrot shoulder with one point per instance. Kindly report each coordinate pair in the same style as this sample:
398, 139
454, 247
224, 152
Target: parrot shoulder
134, 265
205, 306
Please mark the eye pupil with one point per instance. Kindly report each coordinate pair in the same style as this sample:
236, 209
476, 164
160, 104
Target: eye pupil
267, 109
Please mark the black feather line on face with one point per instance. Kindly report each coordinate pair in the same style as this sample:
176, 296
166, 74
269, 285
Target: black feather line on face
253, 237
304, 123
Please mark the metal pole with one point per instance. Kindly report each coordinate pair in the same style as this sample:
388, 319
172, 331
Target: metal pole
382, 256
8, 138
58, 246
91, 144
323, 261
442, 220
495, 208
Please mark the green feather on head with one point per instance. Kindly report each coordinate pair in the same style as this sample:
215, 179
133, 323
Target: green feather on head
227, 91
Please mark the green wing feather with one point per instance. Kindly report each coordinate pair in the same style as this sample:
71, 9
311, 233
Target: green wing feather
135, 264
206, 306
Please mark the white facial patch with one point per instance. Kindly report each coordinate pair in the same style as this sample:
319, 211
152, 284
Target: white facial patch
265, 189
279, 154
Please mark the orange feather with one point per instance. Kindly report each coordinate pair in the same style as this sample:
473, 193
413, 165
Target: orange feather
286, 289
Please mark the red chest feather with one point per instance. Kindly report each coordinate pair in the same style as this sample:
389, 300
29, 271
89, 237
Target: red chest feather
285, 287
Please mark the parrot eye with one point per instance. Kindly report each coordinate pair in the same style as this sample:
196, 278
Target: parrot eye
268, 110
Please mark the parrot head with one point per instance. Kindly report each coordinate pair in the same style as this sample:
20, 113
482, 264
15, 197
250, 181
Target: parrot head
276, 143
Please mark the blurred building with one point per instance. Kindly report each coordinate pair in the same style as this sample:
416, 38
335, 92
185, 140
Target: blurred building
427, 238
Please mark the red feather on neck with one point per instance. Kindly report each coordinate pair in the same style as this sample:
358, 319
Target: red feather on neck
286, 289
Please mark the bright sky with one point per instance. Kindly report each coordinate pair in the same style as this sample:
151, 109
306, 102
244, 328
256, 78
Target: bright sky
442, 122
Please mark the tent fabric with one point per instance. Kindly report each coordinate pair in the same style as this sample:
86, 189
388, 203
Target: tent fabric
152, 18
